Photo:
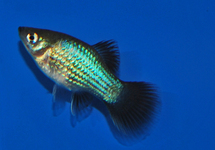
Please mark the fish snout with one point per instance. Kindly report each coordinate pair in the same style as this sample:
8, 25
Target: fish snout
20, 29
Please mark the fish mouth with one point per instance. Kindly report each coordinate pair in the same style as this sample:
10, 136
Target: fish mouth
20, 29
22, 34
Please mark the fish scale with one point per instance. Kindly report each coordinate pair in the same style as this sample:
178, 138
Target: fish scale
76, 73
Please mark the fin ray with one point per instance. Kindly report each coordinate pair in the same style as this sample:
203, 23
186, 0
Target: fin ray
109, 52
59, 99
81, 106
134, 111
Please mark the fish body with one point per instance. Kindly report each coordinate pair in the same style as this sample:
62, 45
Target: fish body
91, 70
74, 65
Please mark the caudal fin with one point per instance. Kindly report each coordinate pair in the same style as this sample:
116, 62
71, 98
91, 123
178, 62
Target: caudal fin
134, 111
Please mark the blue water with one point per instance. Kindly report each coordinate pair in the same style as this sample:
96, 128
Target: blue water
169, 43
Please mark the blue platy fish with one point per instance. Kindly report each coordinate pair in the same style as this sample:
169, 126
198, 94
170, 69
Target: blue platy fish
90, 71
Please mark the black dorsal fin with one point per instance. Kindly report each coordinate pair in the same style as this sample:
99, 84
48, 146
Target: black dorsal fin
109, 53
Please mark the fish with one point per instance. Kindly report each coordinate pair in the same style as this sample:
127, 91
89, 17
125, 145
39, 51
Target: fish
92, 71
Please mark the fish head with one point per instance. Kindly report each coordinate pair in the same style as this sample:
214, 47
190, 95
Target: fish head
35, 40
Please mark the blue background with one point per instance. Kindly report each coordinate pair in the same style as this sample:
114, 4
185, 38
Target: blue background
169, 43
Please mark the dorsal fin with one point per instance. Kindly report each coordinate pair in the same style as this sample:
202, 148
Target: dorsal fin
109, 53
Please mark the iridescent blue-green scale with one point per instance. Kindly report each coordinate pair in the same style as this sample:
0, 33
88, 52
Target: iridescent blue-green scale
82, 68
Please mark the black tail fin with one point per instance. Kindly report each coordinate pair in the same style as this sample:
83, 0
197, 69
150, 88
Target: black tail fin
134, 110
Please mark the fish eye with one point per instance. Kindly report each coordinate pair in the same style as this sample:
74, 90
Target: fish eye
32, 37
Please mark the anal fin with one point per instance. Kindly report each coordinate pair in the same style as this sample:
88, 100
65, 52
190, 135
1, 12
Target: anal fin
81, 106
